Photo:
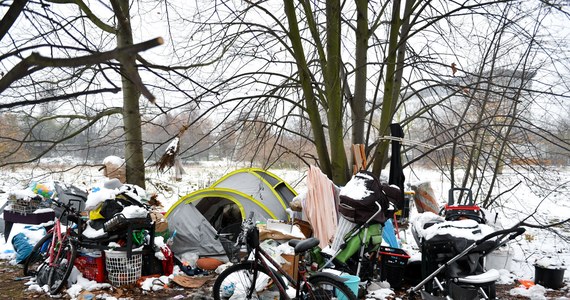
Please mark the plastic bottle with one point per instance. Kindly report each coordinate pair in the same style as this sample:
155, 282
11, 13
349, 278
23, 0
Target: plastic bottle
170, 240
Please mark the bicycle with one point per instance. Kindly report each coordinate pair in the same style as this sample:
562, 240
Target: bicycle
53, 256
252, 279
51, 259
39, 253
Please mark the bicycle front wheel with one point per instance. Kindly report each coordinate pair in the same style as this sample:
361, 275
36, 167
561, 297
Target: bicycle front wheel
38, 255
62, 265
325, 287
237, 282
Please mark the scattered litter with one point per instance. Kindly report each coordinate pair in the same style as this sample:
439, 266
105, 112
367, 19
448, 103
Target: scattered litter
535, 292
380, 294
527, 283
190, 281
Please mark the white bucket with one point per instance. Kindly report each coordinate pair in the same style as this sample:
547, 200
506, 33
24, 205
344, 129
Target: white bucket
499, 259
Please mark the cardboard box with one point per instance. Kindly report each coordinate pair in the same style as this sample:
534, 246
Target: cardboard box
291, 264
278, 225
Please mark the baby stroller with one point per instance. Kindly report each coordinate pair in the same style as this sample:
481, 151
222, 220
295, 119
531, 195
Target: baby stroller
453, 260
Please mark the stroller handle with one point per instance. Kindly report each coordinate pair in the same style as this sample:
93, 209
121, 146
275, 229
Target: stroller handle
516, 231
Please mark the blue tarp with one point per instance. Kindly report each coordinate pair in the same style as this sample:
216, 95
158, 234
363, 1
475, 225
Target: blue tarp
389, 234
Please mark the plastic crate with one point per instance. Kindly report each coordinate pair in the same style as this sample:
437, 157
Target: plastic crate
92, 268
25, 206
122, 270
393, 262
120, 222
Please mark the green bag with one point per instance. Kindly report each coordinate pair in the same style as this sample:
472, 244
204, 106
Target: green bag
373, 238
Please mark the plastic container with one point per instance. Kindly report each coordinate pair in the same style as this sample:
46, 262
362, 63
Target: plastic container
550, 278
92, 266
393, 262
151, 265
122, 270
25, 206
352, 283
499, 259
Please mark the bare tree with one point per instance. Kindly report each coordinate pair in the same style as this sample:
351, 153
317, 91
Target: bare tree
350, 69
73, 69
489, 115
306, 79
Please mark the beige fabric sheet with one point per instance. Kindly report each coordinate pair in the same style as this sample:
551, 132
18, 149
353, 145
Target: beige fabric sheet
320, 206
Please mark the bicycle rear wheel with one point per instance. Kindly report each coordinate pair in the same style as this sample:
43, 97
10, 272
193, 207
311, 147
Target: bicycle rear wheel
324, 287
38, 255
237, 282
61, 268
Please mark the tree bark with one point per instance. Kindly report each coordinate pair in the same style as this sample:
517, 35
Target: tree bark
333, 81
358, 103
310, 97
11, 15
381, 156
134, 158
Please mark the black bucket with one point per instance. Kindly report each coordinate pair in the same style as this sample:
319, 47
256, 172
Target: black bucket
550, 278
393, 265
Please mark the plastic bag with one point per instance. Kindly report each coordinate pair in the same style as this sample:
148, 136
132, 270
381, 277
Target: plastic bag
22, 246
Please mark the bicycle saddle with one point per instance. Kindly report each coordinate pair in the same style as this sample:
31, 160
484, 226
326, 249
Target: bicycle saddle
305, 245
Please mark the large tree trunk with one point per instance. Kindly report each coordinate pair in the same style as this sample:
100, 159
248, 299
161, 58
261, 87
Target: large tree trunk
333, 81
134, 157
310, 97
394, 73
358, 102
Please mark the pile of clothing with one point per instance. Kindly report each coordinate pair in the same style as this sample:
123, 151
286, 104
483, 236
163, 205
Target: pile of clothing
113, 206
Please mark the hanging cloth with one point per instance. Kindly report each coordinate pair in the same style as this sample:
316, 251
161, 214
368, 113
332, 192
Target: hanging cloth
320, 206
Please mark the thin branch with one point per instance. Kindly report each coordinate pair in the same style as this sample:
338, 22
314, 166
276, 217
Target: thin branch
59, 97
36, 62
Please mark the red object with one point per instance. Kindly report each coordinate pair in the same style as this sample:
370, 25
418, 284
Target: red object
394, 252
208, 263
168, 263
526, 283
462, 207
92, 268
396, 225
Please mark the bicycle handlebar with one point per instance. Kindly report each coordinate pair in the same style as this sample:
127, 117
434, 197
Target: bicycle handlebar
67, 208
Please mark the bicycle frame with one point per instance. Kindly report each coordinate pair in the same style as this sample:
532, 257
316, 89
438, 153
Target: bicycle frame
261, 258
58, 239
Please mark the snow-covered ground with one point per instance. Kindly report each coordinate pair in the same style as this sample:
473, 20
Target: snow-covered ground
546, 202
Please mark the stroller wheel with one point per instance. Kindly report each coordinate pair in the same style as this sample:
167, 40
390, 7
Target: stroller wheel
470, 292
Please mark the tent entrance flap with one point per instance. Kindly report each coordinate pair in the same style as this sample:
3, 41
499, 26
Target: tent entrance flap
220, 212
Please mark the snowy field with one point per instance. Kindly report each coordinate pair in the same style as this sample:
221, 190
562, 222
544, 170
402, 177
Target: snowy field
545, 201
